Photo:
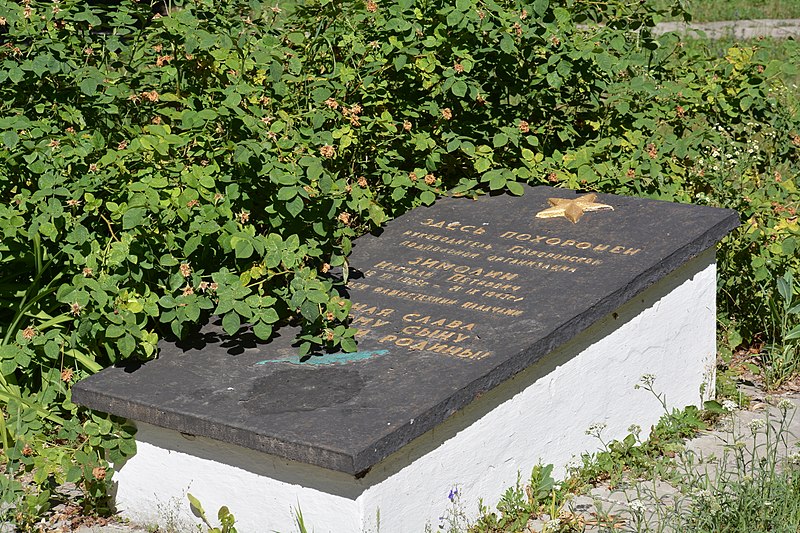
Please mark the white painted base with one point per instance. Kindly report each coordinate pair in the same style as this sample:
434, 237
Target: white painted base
540, 415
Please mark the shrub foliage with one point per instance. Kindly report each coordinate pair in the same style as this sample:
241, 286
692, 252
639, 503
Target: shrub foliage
162, 165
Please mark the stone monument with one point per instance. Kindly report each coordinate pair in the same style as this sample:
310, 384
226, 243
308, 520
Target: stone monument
492, 333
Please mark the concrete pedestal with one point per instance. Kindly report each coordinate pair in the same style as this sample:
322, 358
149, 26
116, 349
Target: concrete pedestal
539, 415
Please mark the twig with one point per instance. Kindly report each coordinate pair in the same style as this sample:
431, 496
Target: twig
108, 223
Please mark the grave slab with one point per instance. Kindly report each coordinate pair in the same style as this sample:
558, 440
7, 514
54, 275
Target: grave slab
490, 339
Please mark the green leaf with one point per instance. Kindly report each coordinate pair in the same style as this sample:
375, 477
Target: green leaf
243, 249
400, 61
133, 217
483, 164
114, 331
500, 140
317, 296
309, 310
287, 193
191, 245
528, 155
427, 197
269, 316
231, 323
295, 206
515, 188
196, 507
126, 344
276, 71
793, 334
10, 139
459, 88
507, 45
88, 86
262, 331
784, 289
454, 17
376, 214
497, 181
168, 260
349, 345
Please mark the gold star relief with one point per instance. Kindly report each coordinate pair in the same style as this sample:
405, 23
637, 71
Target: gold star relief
572, 209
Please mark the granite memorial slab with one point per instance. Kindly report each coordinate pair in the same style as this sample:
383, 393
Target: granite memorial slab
451, 301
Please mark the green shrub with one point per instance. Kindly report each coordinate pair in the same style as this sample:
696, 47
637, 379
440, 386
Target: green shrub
219, 159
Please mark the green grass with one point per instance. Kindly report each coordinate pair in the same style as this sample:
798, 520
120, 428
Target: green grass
769, 49
714, 10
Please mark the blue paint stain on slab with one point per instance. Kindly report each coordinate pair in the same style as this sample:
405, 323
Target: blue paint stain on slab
340, 358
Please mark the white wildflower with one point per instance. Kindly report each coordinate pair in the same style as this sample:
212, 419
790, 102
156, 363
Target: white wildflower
637, 506
756, 425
